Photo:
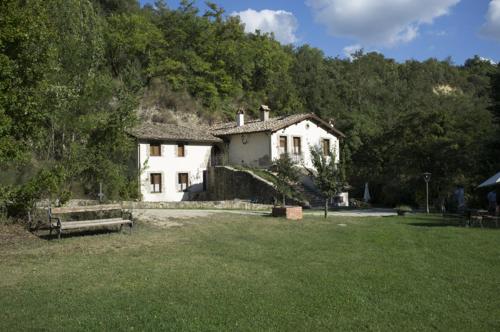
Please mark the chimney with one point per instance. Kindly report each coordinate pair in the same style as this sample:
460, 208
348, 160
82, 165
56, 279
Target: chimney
264, 112
240, 118
332, 122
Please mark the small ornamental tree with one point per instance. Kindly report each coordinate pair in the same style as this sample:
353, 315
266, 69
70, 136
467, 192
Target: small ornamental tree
287, 174
328, 175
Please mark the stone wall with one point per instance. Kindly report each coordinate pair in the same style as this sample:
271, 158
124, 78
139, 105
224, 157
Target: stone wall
130, 205
226, 205
227, 183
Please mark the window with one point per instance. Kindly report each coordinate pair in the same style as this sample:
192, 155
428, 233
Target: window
155, 182
297, 146
326, 147
181, 150
183, 181
283, 145
155, 150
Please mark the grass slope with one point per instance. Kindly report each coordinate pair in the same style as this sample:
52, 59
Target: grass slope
234, 272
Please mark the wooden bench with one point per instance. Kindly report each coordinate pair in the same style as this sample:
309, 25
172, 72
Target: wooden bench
55, 222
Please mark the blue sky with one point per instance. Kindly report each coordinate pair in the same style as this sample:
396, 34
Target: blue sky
400, 29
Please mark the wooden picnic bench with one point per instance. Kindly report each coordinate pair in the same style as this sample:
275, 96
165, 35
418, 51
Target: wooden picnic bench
57, 224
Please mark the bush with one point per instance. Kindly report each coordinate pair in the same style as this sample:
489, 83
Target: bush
403, 208
287, 174
46, 183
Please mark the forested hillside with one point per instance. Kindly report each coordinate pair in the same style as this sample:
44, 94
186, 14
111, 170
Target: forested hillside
74, 73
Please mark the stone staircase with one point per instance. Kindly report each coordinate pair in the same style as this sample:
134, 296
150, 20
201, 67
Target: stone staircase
311, 194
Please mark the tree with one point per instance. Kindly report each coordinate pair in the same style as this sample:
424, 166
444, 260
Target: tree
25, 59
328, 174
287, 174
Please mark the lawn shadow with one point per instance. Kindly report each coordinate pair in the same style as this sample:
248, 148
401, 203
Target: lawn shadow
80, 233
437, 221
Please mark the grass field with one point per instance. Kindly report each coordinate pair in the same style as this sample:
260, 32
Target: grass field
231, 272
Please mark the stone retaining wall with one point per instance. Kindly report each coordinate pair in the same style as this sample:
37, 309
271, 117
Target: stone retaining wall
229, 205
226, 205
227, 183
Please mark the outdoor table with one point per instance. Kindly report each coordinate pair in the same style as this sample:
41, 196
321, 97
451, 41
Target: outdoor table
476, 216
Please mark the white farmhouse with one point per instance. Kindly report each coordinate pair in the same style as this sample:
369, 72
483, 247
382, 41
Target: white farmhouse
174, 159
257, 143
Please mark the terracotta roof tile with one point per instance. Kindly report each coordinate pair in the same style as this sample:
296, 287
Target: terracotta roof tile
273, 124
172, 132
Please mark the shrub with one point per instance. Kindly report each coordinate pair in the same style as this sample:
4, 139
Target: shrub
403, 208
287, 174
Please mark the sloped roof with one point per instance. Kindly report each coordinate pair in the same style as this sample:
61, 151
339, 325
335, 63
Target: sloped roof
172, 132
493, 181
272, 125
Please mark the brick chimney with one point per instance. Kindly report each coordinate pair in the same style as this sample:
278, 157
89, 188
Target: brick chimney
240, 118
264, 112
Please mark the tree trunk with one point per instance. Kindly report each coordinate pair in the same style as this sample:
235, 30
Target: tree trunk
326, 207
284, 200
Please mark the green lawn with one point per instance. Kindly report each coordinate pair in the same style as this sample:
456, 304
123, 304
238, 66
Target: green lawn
231, 272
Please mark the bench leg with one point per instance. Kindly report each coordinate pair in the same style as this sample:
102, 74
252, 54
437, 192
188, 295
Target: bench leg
59, 233
130, 226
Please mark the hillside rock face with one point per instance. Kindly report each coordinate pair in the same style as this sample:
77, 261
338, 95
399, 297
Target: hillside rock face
163, 115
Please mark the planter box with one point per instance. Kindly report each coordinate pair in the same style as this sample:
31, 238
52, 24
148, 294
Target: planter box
289, 212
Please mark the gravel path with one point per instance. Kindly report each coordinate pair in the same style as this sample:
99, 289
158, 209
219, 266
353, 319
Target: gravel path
161, 215
356, 213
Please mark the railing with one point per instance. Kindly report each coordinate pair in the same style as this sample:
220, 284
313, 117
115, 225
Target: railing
297, 158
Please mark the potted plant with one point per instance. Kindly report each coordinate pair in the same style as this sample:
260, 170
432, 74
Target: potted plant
402, 209
287, 173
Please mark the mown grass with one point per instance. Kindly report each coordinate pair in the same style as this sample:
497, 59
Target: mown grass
231, 272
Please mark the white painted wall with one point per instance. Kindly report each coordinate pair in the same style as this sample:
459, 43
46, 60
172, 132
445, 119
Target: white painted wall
310, 134
250, 149
196, 160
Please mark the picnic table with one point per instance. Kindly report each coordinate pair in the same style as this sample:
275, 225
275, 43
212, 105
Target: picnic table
478, 216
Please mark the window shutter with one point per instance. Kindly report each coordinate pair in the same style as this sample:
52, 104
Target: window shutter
163, 183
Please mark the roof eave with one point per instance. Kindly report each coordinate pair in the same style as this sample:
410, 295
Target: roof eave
327, 126
241, 133
166, 139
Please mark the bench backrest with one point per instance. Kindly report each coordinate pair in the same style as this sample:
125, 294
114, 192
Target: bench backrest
89, 208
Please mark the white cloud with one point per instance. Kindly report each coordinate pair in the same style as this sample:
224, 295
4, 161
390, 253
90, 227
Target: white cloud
491, 28
380, 22
282, 23
351, 49
491, 61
